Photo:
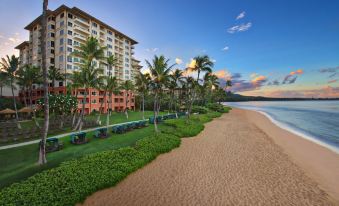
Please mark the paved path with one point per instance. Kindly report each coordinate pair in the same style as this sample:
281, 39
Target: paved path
232, 162
57, 136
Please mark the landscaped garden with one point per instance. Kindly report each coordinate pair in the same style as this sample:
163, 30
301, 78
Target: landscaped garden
79, 170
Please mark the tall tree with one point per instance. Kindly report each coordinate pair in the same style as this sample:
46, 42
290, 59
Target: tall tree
127, 86
89, 75
54, 74
111, 62
112, 88
159, 73
176, 79
202, 64
42, 153
142, 85
10, 65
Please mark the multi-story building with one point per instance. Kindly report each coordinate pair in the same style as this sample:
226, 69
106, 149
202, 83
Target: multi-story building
67, 29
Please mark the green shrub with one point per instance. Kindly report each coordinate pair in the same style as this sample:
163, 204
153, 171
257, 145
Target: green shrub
184, 127
74, 180
199, 109
218, 107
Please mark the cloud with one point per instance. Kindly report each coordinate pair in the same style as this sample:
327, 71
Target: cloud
274, 83
324, 92
332, 81
226, 48
192, 64
152, 49
239, 28
14, 40
178, 61
332, 75
241, 85
223, 74
213, 60
329, 70
291, 78
241, 15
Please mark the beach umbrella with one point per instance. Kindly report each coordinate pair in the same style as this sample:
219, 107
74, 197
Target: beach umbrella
25, 110
7, 111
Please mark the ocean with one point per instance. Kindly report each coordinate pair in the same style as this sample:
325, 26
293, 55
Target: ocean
317, 121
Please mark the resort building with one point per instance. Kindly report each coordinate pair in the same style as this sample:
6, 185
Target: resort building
67, 29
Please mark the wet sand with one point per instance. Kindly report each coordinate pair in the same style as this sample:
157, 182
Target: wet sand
234, 161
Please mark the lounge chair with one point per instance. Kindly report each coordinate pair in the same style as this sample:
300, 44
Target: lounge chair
53, 144
101, 133
79, 138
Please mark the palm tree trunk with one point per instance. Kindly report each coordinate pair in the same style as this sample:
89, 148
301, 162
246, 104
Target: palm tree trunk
79, 124
109, 110
14, 102
102, 103
1, 91
155, 109
126, 112
143, 106
76, 110
42, 153
31, 105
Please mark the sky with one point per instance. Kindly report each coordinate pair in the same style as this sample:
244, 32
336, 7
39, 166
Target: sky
275, 48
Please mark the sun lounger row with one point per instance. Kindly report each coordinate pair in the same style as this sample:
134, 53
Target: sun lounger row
160, 119
122, 128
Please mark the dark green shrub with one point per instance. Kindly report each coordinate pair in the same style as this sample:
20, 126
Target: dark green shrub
199, 110
218, 107
184, 127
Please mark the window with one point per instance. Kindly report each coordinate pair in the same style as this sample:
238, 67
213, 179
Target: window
126, 47
52, 51
69, 66
62, 23
61, 58
62, 15
94, 24
126, 65
70, 16
126, 41
109, 46
69, 42
69, 32
94, 32
127, 53
70, 24
127, 59
109, 53
94, 93
109, 39
76, 59
126, 71
61, 84
51, 60
61, 49
69, 49
61, 41
75, 67
69, 59
52, 43
126, 77
94, 101
75, 43
109, 32
61, 32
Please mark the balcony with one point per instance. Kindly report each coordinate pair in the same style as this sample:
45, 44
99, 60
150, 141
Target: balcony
81, 21
81, 29
80, 37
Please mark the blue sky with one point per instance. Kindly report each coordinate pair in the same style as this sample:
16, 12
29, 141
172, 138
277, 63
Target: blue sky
275, 37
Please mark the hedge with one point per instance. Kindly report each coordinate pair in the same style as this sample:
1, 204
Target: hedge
74, 180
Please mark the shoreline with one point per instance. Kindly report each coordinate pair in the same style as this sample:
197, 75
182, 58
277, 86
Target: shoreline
318, 161
233, 161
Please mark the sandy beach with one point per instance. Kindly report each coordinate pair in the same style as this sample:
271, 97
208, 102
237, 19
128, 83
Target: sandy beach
240, 158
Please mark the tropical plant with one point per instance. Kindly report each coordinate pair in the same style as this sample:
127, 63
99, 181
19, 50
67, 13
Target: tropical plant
127, 87
4, 81
142, 82
176, 79
27, 76
10, 65
159, 76
111, 61
202, 64
54, 74
112, 87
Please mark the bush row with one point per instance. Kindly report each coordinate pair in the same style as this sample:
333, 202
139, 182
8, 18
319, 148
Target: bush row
74, 180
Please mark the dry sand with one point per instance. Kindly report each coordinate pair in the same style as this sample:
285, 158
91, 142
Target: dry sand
232, 162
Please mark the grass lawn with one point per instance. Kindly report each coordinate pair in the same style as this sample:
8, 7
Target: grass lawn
21, 162
114, 119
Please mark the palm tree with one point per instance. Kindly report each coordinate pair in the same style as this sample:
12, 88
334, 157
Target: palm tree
112, 87
89, 75
111, 61
4, 81
89, 78
211, 82
159, 73
27, 76
189, 85
42, 152
54, 75
75, 79
127, 86
176, 79
203, 64
142, 84
10, 66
